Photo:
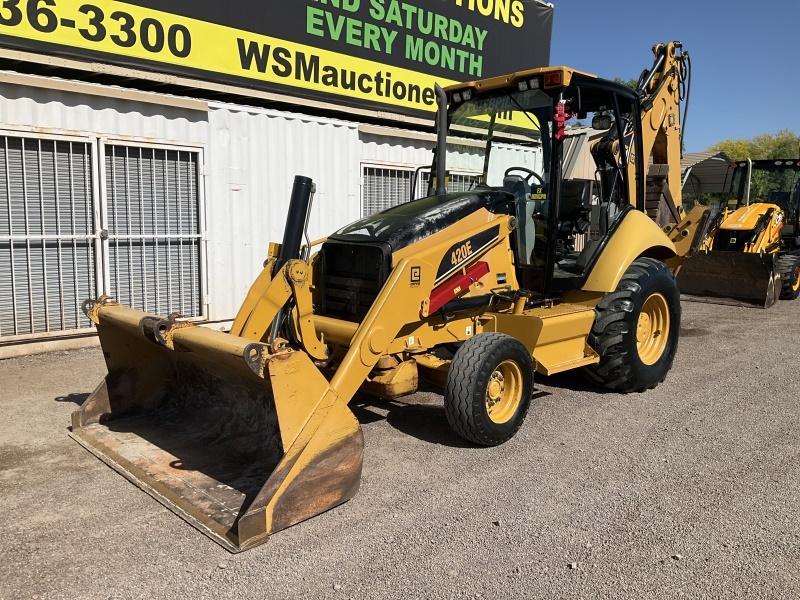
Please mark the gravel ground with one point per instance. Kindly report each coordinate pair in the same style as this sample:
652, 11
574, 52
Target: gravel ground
688, 490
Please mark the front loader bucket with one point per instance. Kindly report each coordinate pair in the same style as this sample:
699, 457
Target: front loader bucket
238, 442
730, 278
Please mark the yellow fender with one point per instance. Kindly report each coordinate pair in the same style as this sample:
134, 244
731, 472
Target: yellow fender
636, 236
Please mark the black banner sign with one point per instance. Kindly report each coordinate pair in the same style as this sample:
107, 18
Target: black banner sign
366, 53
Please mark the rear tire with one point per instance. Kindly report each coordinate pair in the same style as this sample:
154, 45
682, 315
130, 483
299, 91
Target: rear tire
489, 387
630, 326
789, 267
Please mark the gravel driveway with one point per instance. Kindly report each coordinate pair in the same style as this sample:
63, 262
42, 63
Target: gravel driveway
688, 490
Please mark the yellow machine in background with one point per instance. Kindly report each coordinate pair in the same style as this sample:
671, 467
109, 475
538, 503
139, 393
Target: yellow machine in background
750, 252
245, 433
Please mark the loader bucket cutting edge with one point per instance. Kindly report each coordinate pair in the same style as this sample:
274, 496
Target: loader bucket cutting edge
236, 453
730, 278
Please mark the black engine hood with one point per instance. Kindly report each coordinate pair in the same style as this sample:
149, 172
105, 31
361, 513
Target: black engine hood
408, 223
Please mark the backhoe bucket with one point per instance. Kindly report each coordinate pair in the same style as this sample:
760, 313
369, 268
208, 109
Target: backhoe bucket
737, 278
238, 442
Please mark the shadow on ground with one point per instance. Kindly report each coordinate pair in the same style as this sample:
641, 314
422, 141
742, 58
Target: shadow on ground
689, 332
76, 398
570, 380
425, 422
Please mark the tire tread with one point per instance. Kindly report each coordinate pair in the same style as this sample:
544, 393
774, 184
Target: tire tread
460, 390
613, 323
786, 265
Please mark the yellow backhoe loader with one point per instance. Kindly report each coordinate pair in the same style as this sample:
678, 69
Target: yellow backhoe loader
248, 432
750, 253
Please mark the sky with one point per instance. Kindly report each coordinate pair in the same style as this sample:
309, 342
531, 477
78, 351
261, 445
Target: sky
745, 79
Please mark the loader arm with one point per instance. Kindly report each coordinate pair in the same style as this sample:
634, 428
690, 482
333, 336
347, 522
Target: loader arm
180, 394
248, 433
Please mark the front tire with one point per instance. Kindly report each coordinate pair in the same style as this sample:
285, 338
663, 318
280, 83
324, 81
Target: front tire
489, 387
789, 268
636, 329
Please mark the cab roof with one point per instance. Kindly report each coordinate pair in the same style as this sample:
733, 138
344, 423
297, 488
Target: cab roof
511, 79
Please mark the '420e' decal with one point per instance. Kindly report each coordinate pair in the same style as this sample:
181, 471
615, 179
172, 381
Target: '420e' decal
462, 251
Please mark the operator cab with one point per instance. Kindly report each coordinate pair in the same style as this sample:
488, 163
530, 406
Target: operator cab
568, 189
565, 210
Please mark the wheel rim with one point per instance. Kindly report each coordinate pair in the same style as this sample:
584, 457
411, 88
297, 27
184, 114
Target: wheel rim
504, 392
796, 280
652, 329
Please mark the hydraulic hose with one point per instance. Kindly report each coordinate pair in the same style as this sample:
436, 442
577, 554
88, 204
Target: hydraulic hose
685, 91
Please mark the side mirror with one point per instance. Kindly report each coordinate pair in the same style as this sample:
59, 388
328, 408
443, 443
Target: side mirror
602, 122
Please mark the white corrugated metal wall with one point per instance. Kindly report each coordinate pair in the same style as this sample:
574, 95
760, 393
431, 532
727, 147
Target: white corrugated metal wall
111, 246
247, 159
253, 158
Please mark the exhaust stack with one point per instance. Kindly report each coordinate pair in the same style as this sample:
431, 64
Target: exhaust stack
296, 221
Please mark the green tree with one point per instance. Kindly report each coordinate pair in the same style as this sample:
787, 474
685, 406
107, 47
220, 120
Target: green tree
631, 83
783, 144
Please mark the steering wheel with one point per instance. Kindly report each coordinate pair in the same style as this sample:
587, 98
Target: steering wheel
528, 171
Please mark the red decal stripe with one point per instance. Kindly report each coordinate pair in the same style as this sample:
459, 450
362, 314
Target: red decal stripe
456, 285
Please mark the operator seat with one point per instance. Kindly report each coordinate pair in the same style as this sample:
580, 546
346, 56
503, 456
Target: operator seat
602, 217
575, 207
607, 215
576, 199
514, 184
